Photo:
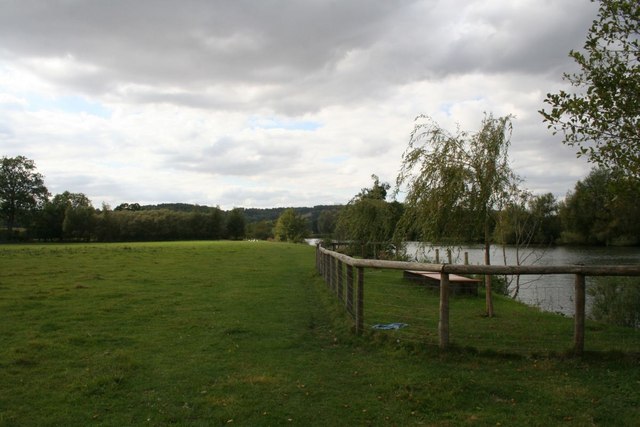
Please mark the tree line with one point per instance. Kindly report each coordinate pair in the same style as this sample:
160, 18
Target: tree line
602, 209
29, 212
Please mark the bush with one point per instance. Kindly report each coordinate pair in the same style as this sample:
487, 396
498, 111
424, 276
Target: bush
616, 300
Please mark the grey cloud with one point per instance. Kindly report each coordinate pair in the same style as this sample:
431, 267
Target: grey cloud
496, 37
233, 157
305, 55
199, 41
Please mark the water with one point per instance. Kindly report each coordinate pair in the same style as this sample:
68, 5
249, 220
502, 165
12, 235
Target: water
552, 292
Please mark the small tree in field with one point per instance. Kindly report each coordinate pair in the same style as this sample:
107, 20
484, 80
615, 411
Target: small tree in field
291, 227
368, 220
454, 183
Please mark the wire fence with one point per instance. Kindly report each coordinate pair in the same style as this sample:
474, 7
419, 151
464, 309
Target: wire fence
382, 299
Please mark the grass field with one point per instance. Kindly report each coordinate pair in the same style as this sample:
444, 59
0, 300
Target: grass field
516, 329
246, 333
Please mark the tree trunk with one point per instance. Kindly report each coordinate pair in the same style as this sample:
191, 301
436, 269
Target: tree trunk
487, 261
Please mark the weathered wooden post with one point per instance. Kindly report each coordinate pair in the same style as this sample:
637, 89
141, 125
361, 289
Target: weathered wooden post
327, 259
322, 273
443, 323
339, 291
466, 258
437, 256
579, 317
360, 302
449, 256
332, 271
350, 289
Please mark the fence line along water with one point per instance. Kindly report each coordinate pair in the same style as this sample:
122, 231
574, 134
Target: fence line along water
550, 292
345, 276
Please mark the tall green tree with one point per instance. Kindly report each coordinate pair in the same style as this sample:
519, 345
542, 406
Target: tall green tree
527, 219
291, 227
22, 190
455, 182
544, 209
106, 228
515, 224
51, 216
79, 216
236, 224
217, 224
602, 209
368, 220
327, 220
602, 116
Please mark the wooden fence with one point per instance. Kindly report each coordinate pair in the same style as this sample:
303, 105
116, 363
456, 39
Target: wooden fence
329, 263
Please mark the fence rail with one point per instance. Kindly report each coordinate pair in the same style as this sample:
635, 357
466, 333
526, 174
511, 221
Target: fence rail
330, 265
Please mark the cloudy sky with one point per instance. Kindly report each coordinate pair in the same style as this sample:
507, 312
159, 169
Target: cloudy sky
269, 103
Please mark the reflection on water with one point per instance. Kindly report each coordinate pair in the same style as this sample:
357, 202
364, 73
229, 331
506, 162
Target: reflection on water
549, 292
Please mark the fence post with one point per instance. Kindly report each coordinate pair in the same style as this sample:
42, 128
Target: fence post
437, 256
334, 276
339, 291
324, 267
449, 256
360, 302
579, 317
466, 258
332, 270
350, 289
443, 323
327, 260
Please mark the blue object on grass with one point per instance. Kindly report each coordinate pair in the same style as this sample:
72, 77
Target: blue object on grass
389, 326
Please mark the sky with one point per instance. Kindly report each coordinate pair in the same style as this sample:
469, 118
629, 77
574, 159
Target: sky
273, 103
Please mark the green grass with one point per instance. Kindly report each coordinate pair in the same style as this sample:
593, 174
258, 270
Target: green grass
246, 333
516, 329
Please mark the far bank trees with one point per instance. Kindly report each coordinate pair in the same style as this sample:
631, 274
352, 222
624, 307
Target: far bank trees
602, 209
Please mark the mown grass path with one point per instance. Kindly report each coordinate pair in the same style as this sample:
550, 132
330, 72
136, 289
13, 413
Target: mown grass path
244, 333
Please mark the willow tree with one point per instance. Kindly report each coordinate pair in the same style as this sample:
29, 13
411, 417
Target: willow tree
455, 183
